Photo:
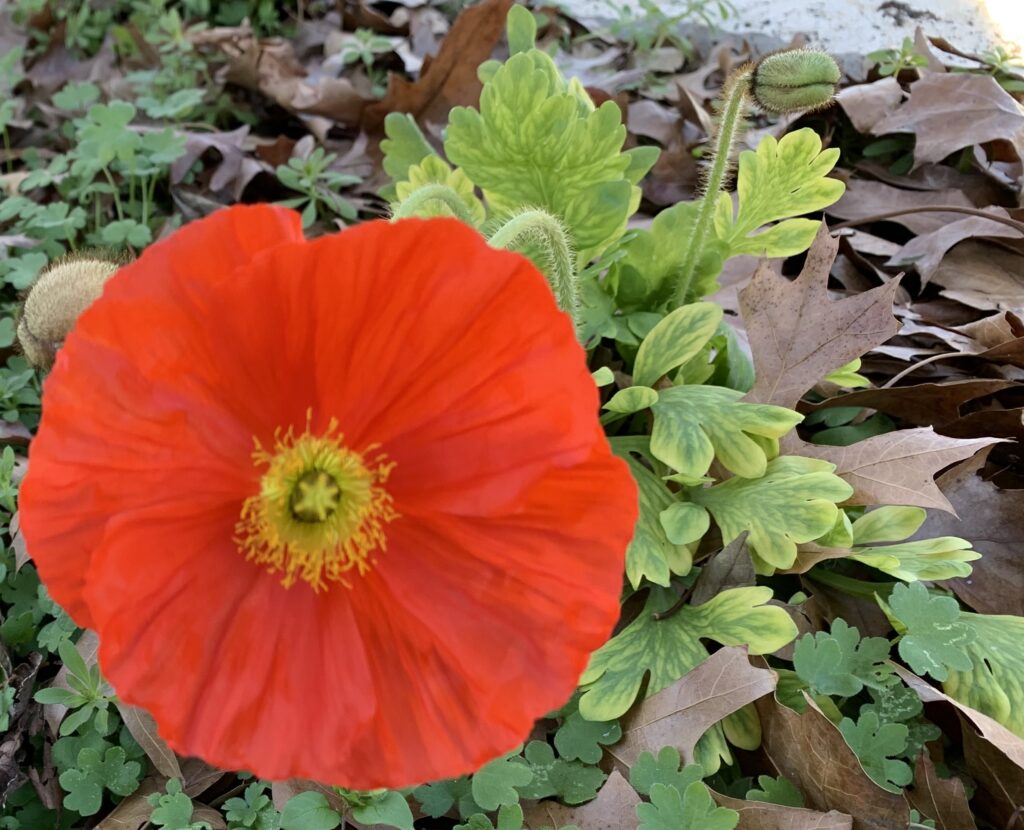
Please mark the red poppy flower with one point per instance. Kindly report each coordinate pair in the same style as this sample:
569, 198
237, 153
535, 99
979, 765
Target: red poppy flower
338, 509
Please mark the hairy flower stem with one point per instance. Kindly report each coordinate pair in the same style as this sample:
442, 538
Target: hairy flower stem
435, 193
735, 100
544, 229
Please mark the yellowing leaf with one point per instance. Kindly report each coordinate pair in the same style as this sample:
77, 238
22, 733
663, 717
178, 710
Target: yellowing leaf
695, 424
778, 180
678, 338
667, 649
794, 502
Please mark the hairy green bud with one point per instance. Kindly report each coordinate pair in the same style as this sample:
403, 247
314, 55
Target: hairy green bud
794, 81
65, 288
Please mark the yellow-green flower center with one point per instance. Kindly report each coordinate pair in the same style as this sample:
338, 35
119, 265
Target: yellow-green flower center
320, 511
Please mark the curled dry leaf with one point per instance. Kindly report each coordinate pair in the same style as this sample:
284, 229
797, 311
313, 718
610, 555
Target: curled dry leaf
926, 404
951, 111
613, 809
759, 815
798, 335
731, 567
984, 276
679, 715
450, 79
868, 198
236, 168
810, 751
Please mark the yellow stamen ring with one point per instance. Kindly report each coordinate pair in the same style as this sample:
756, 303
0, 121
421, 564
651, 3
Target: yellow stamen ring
320, 511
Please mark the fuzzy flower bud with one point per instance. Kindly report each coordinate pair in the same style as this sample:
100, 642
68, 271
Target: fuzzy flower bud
794, 81
65, 288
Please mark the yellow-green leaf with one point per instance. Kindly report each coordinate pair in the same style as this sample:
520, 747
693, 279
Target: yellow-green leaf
678, 338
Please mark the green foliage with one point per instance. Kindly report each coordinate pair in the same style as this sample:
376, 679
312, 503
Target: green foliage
312, 177
778, 180
663, 769
894, 61
253, 811
794, 502
665, 650
692, 809
934, 639
510, 817
387, 808
495, 784
172, 810
694, 425
88, 693
309, 811
570, 781
840, 662
775, 791
876, 745
566, 154
93, 774
677, 338
579, 739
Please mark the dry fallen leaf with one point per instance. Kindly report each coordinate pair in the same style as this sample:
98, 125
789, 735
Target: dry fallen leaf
991, 519
867, 104
269, 66
956, 110
926, 404
925, 252
134, 811
896, 467
758, 815
450, 79
994, 755
810, 751
865, 198
236, 168
731, 567
679, 715
941, 799
798, 335
613, 809
983, 275
143, 728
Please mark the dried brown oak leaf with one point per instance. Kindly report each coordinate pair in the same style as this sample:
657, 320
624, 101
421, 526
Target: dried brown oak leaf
450, 79
760, 815
679, 715
798, 335
613, 809
896, 467
941, 799
952, 111
810, 751
991, 519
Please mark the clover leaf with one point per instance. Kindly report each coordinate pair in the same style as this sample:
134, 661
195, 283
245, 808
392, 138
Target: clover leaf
875, 745
663, 769
253, 811
570, 781
665, 650
495, 784
104, 135
693, 425
173, 809
794, 502
934, 638
510, 817
579, 739
94, 773
775, 791
841, 663
692, 809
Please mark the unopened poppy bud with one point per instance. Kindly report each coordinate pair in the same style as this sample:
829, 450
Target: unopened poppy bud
65, 288
794, 80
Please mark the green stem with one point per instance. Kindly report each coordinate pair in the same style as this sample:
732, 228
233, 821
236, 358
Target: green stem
729, 126
131, 188
851, 586
540, 226
435, 193
7, 150
117, 196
